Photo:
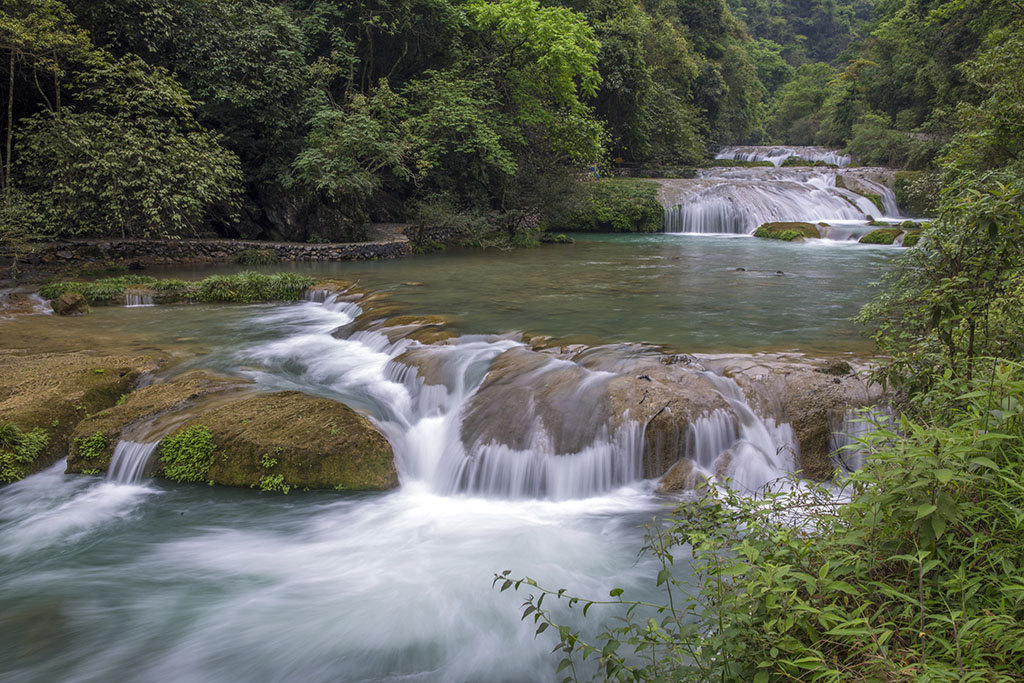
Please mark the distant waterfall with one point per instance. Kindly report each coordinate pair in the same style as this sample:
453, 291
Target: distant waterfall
777, 155
739, 200
129, 461
137, 298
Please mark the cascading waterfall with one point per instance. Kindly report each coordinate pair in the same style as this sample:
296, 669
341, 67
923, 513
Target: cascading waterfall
739, 200
750, 450
137, 298
513, 443
777, 155
129, 461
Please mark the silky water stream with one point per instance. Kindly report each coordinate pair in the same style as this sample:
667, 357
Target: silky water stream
127, 578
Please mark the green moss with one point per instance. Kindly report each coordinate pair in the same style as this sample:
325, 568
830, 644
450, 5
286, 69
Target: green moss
256, 257
787, 232
186, 456
613, 206
274, 482
551, 238
881, 236
93, 446
19, 450
910, 239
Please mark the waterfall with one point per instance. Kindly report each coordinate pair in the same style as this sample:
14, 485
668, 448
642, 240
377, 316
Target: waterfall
777, 155
129, 461
134, 298
739, 200
489, 416
750, 450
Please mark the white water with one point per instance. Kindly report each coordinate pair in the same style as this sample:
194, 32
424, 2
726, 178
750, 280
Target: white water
129, 461
779, 154
134, 299
739, 200
106, 581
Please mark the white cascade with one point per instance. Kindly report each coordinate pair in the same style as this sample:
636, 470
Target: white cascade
129, 461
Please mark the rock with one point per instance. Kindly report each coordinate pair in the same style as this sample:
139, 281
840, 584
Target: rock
65, 254
881, 236
787, 231
311, 442
70, 303
53, 392
681, 477
836, 367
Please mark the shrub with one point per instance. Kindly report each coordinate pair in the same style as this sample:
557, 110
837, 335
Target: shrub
612, 206
188, 454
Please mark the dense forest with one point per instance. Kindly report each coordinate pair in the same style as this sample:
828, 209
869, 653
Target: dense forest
305, 120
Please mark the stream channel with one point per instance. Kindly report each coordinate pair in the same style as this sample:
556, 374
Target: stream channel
133, 579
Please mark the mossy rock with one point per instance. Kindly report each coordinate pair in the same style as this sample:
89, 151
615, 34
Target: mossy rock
94, 438
70, 303
54, 392
787, 232
612, 206
881, 236
313, 443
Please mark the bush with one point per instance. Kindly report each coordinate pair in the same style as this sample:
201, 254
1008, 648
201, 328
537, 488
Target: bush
918, 577
612, 206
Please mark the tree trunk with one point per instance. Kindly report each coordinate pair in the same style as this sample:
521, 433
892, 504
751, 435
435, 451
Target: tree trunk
10, 130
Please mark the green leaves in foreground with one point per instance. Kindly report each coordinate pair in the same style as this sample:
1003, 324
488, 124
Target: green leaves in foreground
918, 577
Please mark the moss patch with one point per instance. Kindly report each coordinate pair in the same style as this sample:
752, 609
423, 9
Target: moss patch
881, 236
787, 232
911, 238
613, 206
19, 450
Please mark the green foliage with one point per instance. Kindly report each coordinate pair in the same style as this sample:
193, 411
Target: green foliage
188, 454
256, 257
917, 576
274, 482
245, 287
958, 296
19, 450
92, 446
917, 192
250, 287
130, 160
613, 206
787, 232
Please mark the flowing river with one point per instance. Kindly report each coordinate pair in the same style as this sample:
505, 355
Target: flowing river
133, 579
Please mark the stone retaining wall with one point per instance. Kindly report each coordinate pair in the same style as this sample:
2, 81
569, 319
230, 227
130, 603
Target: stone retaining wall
157, 252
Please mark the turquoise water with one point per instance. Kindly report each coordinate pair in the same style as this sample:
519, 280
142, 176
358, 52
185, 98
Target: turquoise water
682, 291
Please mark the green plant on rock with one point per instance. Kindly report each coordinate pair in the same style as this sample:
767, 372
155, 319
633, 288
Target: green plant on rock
18, 450
274, 482
188, 454
92, 446
250, 287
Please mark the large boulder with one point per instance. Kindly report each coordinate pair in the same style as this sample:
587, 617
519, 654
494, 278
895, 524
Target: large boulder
274, 441
48, 394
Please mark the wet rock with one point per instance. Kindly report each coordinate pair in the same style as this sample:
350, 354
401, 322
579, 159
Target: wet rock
838, 368
53, 392
70, 303
307, 442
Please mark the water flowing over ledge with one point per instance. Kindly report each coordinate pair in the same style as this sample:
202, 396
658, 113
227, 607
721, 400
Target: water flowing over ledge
777, 155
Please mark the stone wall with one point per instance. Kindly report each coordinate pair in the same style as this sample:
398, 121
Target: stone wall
160, 252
